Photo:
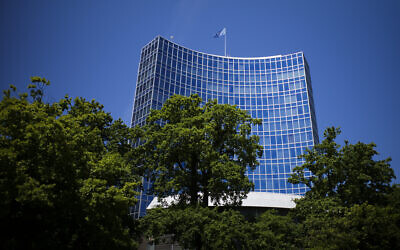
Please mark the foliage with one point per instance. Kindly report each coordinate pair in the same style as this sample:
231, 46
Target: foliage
373, 227
199, 227
351, 203
66, 176
274, 231
326, 224
349, 173
199, 152
195, 153
319, 224
229, 230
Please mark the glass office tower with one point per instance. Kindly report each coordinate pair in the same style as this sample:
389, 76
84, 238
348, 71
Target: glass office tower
276, 89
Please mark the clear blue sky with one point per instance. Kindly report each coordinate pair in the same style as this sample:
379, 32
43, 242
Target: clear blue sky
92, 49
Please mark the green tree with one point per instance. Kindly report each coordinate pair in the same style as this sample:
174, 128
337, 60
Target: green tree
319, 222
349, 173
351, 203
326, 224
67, 176
274, 231
195, 153
228, 230
199, 152
372, 226
197, 227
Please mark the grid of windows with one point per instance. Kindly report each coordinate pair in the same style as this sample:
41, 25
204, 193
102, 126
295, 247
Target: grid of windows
275, 89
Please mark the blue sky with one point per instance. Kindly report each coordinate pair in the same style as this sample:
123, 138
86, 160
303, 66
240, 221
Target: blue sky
92, 49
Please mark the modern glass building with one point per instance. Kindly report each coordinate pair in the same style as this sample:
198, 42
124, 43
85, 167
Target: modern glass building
276, 89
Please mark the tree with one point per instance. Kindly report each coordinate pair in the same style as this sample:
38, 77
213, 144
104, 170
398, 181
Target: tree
319, 222
326, 224
349, 173
199, 152
351, 203
196, 227
228, 230
196, 153
66, 179
274, 231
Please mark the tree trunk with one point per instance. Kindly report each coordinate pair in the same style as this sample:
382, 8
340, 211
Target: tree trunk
205, 198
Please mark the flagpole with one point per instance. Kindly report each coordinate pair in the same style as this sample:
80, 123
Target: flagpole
225, 42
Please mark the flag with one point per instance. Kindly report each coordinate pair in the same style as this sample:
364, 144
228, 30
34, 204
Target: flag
220, 33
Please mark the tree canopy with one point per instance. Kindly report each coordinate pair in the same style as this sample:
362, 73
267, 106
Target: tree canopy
66, 176
350, 173
199, 152
351, 203
196, 227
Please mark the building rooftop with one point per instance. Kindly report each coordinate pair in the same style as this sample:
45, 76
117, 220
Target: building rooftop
254, 199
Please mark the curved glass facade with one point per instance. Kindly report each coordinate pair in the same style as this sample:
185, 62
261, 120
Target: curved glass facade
276, 89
